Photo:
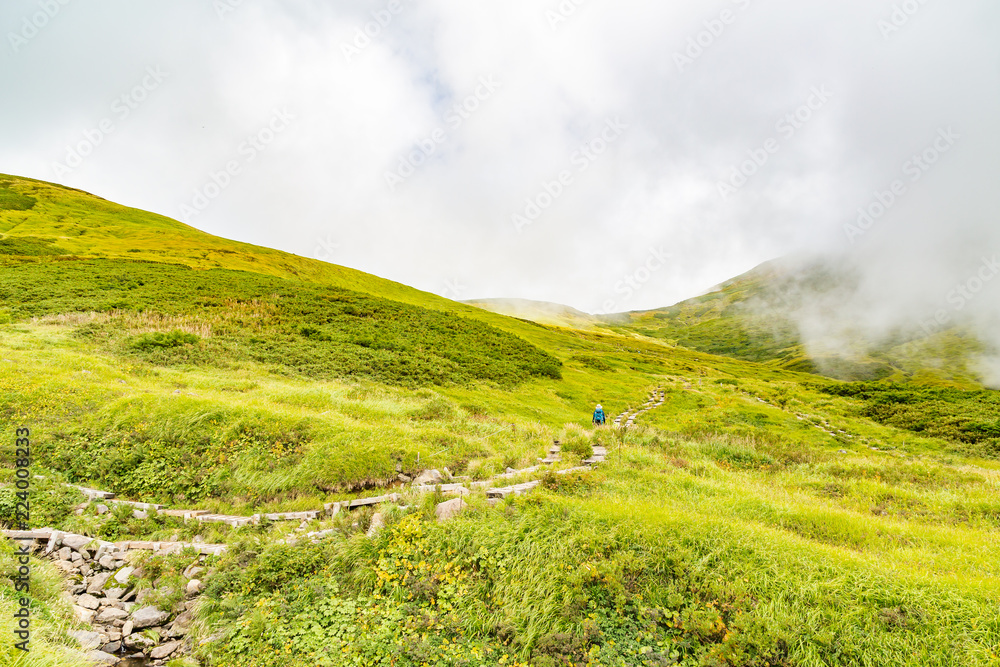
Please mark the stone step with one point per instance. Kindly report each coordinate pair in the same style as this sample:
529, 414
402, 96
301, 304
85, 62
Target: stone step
550, 460
94, 494
569, 470
291, 516
184, 514
234, 521
138, 506
378, 500
447, 489
172, 547
516, 490
27, 535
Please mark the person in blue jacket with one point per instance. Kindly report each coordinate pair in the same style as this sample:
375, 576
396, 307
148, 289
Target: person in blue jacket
599, 419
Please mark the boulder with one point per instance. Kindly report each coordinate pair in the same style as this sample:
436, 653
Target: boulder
65, 553
102, 509
430, 477
147, 617
110, 615
102, 658
122, 576
88, 601
127, 629
85, 616
88, 640
115, 593
76, 542
112, 647
165, 650
107, 561
139, 642
449, 509
97, 584
194, 587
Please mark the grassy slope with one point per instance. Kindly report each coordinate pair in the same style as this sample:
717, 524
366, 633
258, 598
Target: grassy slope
731, 531
751, 317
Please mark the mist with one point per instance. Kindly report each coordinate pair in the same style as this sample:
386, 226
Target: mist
607, 156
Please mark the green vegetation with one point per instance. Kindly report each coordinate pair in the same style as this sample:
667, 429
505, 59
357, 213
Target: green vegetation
309, 330
763, 516
971, 418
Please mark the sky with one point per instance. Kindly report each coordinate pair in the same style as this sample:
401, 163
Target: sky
610, 156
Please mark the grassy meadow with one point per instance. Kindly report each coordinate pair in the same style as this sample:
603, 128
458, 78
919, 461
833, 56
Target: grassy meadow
763, 516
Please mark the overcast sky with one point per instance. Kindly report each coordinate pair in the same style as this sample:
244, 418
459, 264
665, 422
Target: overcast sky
584, 152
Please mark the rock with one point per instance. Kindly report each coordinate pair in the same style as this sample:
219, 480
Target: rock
76, 542
98, 582
88, 640
405, 479
194, 587
431, 477
111, 614
112, 647
161, 652
84, 553
127, 629
140, 514
102, 658
123, 575
102, 509
147, 617
107, 562
193, 572
85, 616
66, 566
139, 642
65, 553
115, 593
75, 557
88, 601
86, 570
377, 524
449, 509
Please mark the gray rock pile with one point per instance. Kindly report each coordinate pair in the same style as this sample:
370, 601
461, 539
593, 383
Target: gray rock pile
104, 589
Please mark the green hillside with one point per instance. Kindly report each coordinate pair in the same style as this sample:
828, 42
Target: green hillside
753, 317
762, 516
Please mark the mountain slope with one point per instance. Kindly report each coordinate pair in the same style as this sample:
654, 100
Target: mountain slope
757, 317
754, 516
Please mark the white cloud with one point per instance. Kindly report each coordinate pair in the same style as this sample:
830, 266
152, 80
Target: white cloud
323, 179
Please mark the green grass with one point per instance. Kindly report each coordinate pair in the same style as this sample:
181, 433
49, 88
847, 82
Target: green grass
762, 516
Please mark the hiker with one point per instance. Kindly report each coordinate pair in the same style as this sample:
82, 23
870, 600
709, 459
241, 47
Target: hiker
599, 419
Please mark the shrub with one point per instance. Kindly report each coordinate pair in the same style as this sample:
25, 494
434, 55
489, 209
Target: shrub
158, 339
